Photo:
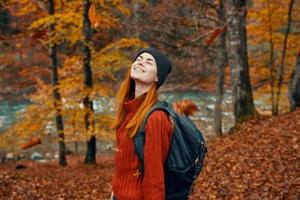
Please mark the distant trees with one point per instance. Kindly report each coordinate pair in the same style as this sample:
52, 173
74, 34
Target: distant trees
268, 18
273, 44
89, 53
63, 30
283, 54
180, 30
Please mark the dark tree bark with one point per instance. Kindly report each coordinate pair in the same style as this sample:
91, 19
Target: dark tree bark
294, 86
136, 17
76, 146
222, 62
243, 106
56, 94
281, 69
271, 63
90, 157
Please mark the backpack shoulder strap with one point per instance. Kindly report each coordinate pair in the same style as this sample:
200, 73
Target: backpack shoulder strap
160, 105
139, 139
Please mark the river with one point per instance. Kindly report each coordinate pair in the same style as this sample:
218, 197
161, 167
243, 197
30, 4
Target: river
203, 118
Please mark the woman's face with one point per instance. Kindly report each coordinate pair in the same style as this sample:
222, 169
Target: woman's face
144, 69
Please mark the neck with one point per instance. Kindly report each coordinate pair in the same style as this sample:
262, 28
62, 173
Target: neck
140, 89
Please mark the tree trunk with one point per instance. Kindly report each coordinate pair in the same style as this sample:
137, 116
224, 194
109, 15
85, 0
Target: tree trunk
136, 17
76, 146
222, 61
281, 69
56, 94
294, 86
243, 106
90, 157
271, 63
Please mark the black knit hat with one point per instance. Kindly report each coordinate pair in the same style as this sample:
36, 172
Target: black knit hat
164, 65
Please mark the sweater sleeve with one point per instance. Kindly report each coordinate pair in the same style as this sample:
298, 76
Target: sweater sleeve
158, 133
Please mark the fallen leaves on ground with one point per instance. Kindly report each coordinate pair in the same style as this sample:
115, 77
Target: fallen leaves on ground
260, 161
50, 181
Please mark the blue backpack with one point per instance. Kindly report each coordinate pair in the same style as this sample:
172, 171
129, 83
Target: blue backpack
185, 157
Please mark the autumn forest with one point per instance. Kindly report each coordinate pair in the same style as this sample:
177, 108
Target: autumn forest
62, 63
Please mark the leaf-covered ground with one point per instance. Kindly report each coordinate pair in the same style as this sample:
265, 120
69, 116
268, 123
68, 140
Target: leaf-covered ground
49, 181
260, 161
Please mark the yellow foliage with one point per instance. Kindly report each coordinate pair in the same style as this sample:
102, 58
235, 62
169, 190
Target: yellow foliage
124, 43
24, 6
68, 20
267, 23
38, 118
111, 56
123, 9
68, 27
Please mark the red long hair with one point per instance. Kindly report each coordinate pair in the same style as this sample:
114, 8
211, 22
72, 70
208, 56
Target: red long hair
126, 90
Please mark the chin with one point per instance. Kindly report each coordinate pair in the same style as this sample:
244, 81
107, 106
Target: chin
140, 81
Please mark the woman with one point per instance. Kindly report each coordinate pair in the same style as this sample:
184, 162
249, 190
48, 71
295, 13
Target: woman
137, 94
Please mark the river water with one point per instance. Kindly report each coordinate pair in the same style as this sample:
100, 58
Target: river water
203, 118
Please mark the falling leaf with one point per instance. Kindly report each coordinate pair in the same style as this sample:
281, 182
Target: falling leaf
32, 142
93, 16
215, 34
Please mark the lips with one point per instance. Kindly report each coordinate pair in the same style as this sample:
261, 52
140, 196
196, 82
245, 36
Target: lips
139, 69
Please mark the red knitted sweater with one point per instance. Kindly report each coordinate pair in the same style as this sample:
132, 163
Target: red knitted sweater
127, 184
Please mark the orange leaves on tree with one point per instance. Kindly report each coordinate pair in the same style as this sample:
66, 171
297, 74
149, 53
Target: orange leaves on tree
40, 34
32, 142
215, 34
93, 16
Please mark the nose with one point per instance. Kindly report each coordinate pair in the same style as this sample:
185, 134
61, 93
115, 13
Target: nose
140, 62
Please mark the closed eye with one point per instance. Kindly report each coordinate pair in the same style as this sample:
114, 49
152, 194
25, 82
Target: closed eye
150, 63
139, 58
